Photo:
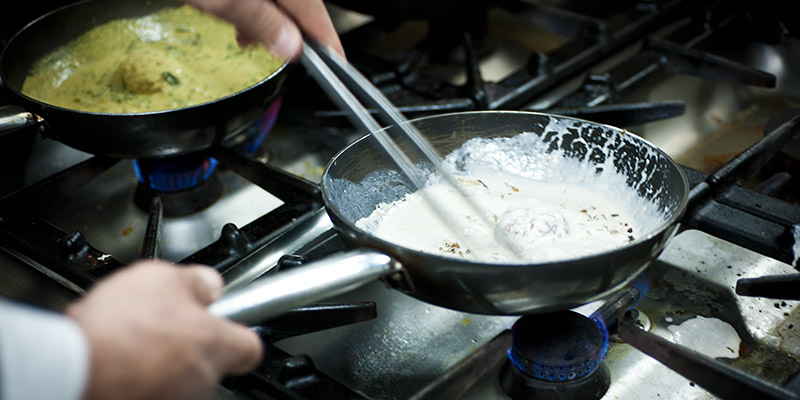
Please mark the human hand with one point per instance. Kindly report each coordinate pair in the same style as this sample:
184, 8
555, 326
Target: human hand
273, 23
151, 336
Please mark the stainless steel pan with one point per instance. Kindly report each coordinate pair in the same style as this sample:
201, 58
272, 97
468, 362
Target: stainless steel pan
350, 192
135, 135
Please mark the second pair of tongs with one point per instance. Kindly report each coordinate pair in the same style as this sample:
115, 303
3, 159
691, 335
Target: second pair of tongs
348, 88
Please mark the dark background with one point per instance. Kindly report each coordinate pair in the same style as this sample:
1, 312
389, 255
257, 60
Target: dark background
12, 21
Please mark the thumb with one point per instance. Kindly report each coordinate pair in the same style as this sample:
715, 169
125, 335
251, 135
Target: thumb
258, 21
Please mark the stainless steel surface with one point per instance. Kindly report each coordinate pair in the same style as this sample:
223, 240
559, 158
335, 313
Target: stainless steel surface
383, 360
458, 378
351, 191
696, 275
407, 346
275, 294
105, 212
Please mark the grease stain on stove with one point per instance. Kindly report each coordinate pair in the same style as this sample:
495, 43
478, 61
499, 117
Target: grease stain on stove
617, 353
790, 335
678, 292
710, 336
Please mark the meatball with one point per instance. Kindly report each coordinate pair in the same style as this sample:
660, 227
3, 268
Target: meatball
144, 72
527, 225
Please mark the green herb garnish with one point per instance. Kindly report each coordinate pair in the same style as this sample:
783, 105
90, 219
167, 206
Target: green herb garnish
170, 78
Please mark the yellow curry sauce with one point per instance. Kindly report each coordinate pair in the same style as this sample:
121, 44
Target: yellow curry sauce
173, 58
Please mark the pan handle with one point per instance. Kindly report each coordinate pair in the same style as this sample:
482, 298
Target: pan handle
15, 117
276, 294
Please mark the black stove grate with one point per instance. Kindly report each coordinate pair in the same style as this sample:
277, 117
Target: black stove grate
414, 79
284, 376
69, 254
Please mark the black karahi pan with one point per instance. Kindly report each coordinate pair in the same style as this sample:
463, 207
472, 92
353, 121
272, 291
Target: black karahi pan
134, 135
362, 176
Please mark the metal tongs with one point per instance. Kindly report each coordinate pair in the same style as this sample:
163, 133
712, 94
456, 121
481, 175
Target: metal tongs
345, 85
270, 297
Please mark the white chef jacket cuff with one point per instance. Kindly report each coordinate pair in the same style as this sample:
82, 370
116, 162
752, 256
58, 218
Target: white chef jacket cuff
43, 355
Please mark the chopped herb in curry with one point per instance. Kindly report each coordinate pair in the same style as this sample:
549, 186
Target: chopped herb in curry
173, 58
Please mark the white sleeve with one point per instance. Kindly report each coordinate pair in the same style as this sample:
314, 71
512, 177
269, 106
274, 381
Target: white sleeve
43, 355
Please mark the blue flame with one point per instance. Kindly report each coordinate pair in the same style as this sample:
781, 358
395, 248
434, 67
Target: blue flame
604, 331
555, 373
560, 373
263, 126
642, 284
174, 173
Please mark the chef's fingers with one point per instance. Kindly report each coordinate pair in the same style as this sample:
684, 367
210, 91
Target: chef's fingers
205, 283
257, 20
314, 20
242, 349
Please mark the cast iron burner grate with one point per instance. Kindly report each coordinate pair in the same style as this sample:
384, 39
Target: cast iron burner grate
418, 80
282, 375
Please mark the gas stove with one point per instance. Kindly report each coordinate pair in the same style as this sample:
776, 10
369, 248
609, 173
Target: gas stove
710, 83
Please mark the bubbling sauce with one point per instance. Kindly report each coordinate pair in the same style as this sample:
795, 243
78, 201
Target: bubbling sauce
540, 206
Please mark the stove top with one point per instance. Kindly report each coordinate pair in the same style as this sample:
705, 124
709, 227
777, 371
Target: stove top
701, 81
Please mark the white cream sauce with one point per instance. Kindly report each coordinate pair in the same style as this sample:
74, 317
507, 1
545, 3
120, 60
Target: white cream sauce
550, 207
710, 336
544, 221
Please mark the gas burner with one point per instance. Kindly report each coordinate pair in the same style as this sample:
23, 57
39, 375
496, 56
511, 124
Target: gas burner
556, 356
172, 174
184, 183
183, 202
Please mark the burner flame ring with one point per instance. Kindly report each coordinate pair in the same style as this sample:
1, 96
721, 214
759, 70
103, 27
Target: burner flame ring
558, 347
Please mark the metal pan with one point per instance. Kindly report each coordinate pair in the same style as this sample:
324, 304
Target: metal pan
135, 135
350, 192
